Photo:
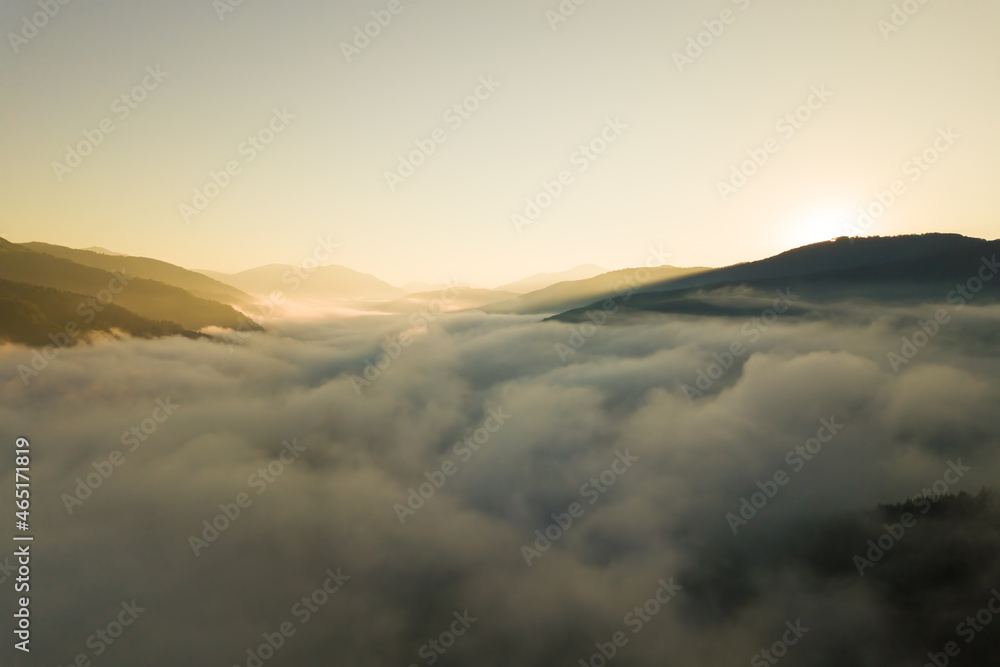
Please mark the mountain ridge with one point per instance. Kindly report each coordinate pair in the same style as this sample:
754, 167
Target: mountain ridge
914, 271
152, 269
148, 299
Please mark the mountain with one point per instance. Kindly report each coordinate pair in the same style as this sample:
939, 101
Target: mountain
104, 251
146, 298
324, 284
420, 287
543, 280
417, 287
153, 269
893, 270
217, 276
575, 293
40, 316
446, 300
841, 254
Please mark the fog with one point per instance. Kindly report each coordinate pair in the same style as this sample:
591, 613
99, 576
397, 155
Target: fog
487, 408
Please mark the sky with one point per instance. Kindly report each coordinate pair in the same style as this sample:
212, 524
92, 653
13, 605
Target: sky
334, 112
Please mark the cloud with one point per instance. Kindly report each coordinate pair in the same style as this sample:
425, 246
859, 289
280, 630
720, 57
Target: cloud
333, 506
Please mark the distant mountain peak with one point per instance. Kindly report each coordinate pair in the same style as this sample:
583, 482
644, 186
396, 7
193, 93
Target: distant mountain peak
103, 251
543, 280
328, 283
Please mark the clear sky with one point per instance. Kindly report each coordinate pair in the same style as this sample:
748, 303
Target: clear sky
609, 68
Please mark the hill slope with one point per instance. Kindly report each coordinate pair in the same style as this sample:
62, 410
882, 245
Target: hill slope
324, 284
152, 269
39, 316
543, 280
905, 269
842, 254
576, 293
147, 298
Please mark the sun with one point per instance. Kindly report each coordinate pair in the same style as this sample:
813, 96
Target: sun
821, 224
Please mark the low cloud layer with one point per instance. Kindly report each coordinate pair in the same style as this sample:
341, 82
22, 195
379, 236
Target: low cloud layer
408, 489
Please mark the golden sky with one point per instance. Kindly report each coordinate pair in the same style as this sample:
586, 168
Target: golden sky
620, 121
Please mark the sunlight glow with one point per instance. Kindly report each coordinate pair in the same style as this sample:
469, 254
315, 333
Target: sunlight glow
820, 225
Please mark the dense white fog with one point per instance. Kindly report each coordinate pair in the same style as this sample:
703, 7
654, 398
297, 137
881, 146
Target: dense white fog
481, 415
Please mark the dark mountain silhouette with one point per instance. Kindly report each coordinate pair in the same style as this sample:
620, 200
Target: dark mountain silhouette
898, 270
